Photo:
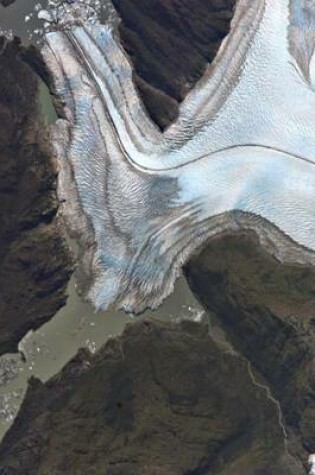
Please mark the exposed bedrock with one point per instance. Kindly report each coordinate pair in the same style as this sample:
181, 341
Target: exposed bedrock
160, 399
34, 267
170, 43
267, 310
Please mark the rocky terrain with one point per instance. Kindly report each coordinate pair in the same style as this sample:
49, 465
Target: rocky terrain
267, 310
171, 42
161, 399
34, 266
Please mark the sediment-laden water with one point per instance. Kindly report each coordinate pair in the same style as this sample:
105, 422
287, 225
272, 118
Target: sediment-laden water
45, 352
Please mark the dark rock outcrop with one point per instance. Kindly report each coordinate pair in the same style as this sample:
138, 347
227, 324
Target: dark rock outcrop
267, 310
160, 399
170, 43
34, 267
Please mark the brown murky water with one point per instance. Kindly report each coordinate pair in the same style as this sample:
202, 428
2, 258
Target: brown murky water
76, 325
